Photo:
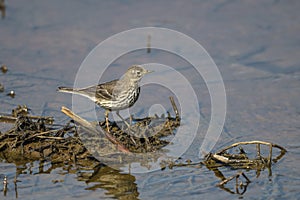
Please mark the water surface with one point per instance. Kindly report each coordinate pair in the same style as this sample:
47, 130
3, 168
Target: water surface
255, 45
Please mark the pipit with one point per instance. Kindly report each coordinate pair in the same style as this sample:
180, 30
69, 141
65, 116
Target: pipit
115, 95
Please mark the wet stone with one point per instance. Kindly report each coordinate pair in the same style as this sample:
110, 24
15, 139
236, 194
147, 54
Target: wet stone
3, 68
1, 87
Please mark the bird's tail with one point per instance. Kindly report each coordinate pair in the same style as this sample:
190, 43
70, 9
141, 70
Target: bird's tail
82, 92
66, 90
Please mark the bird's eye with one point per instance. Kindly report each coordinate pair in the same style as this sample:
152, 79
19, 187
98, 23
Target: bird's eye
138, 72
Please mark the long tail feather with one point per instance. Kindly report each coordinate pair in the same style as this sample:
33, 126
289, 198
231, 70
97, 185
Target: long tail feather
81, 92
66, 89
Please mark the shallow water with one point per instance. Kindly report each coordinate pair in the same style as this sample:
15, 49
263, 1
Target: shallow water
254, 44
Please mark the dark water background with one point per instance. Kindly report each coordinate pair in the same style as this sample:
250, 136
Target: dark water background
255, 44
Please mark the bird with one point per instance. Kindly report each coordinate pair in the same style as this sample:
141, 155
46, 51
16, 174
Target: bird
114, 95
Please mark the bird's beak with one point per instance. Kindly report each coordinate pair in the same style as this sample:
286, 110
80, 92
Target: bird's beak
148, 71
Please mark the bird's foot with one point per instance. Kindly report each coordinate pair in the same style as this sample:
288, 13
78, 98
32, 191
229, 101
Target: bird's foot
107, 125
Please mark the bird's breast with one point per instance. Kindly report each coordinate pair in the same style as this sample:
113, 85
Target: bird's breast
123, 99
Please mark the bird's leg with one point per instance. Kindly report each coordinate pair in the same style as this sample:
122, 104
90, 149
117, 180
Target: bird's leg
130, 119
128, 125
106, 120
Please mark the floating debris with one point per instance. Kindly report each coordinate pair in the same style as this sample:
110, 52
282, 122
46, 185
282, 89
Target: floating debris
23, 111
20, 111
5, 183
4, 69
11, 94
242, 160
34, 139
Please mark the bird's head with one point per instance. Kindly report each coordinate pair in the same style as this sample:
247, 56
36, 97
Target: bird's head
136, 72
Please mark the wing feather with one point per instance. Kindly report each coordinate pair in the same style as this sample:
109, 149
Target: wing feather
102, 91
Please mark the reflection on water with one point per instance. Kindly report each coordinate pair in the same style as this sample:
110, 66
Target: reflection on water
115, 183
118, 185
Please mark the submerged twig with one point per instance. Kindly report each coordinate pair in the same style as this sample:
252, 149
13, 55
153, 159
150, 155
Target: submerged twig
3, 13
149, 44
12, 119
174, 107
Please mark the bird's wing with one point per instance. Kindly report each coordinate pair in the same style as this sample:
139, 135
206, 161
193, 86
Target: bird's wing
102, 91
106, 90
